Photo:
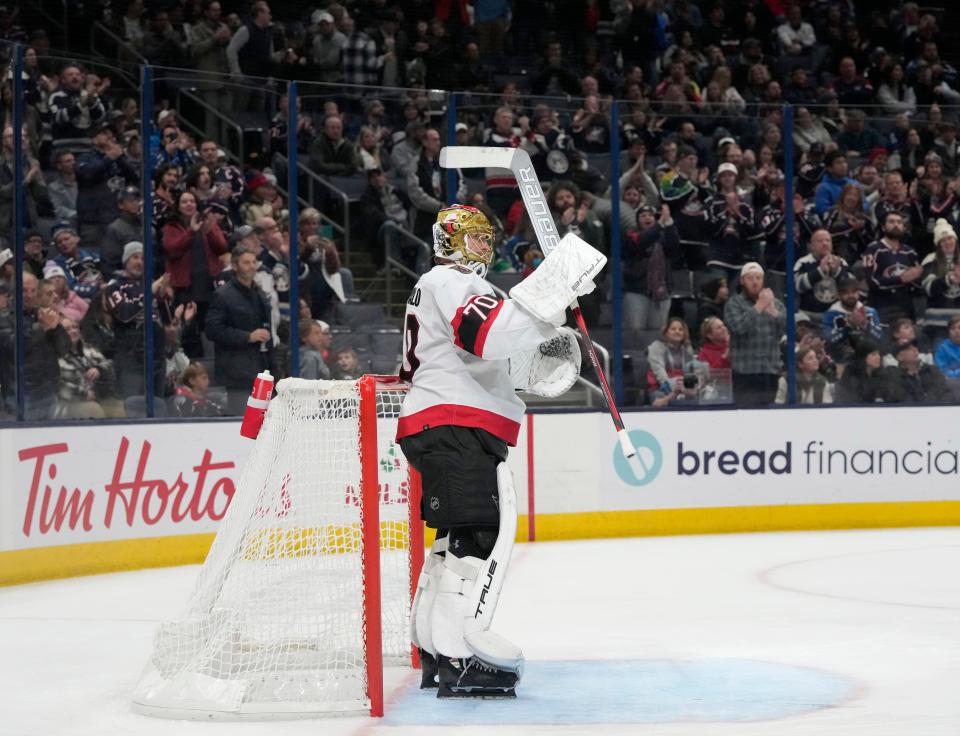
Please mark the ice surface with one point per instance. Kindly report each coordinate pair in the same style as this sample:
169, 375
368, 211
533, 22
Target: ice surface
791, 634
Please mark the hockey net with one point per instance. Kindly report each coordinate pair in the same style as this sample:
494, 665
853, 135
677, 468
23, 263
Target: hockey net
287, 618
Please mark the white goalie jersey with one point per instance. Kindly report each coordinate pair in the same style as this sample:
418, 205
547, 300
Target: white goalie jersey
458, 336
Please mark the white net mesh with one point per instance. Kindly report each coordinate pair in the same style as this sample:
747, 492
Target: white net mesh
275, 623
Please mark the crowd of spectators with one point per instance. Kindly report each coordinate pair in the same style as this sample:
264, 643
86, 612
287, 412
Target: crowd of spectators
700, 89
84, 260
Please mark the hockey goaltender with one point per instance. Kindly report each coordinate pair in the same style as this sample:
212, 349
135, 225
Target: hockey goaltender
466, 353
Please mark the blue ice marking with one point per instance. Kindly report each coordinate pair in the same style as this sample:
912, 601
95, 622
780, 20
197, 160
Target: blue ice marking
636, 691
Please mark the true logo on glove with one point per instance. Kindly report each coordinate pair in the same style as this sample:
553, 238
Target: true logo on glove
587, 273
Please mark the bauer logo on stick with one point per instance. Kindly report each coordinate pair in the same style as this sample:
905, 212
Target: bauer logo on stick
538, 209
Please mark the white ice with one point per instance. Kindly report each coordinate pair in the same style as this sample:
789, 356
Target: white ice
879, 610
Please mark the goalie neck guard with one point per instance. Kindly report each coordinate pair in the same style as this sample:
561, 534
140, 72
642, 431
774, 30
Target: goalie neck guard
463, 234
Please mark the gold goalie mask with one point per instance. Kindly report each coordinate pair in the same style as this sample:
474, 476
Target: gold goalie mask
463, 234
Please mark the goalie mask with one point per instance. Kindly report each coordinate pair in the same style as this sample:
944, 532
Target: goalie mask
464, 235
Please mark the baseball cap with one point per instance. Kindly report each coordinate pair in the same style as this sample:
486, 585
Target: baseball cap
244, 231
322, 16
751, 267
727, 167
52, 269
127, 193
462, 126
61, 227
5, 255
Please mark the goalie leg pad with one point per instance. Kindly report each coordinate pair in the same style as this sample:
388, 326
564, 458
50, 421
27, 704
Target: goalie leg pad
470, 588
422, 610
426, 594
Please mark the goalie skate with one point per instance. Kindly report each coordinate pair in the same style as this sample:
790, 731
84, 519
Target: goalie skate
471, 677
428, 670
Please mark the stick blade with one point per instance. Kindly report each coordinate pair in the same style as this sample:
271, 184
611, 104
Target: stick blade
476, 157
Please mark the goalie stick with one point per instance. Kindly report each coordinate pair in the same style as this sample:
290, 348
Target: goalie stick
518, 161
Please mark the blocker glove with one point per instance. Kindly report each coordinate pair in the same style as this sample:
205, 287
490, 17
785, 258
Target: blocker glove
566, 273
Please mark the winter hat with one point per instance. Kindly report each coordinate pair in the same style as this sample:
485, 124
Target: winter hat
941, 230
219, 208
258, 180
52, 269
130, 249
751, 267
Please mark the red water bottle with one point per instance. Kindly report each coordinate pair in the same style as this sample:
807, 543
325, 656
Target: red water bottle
257, 405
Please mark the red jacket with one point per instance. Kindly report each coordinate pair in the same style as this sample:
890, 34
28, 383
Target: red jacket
711, 353
177, 241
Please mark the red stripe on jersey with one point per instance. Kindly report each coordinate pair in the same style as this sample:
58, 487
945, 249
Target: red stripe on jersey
455, 323
442, 415
481, 338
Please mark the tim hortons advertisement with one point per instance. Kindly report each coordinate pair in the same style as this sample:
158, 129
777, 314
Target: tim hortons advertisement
71, 485
66, 485
750, 458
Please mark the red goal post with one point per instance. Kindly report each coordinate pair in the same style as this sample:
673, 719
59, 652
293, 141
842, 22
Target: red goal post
372, 389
